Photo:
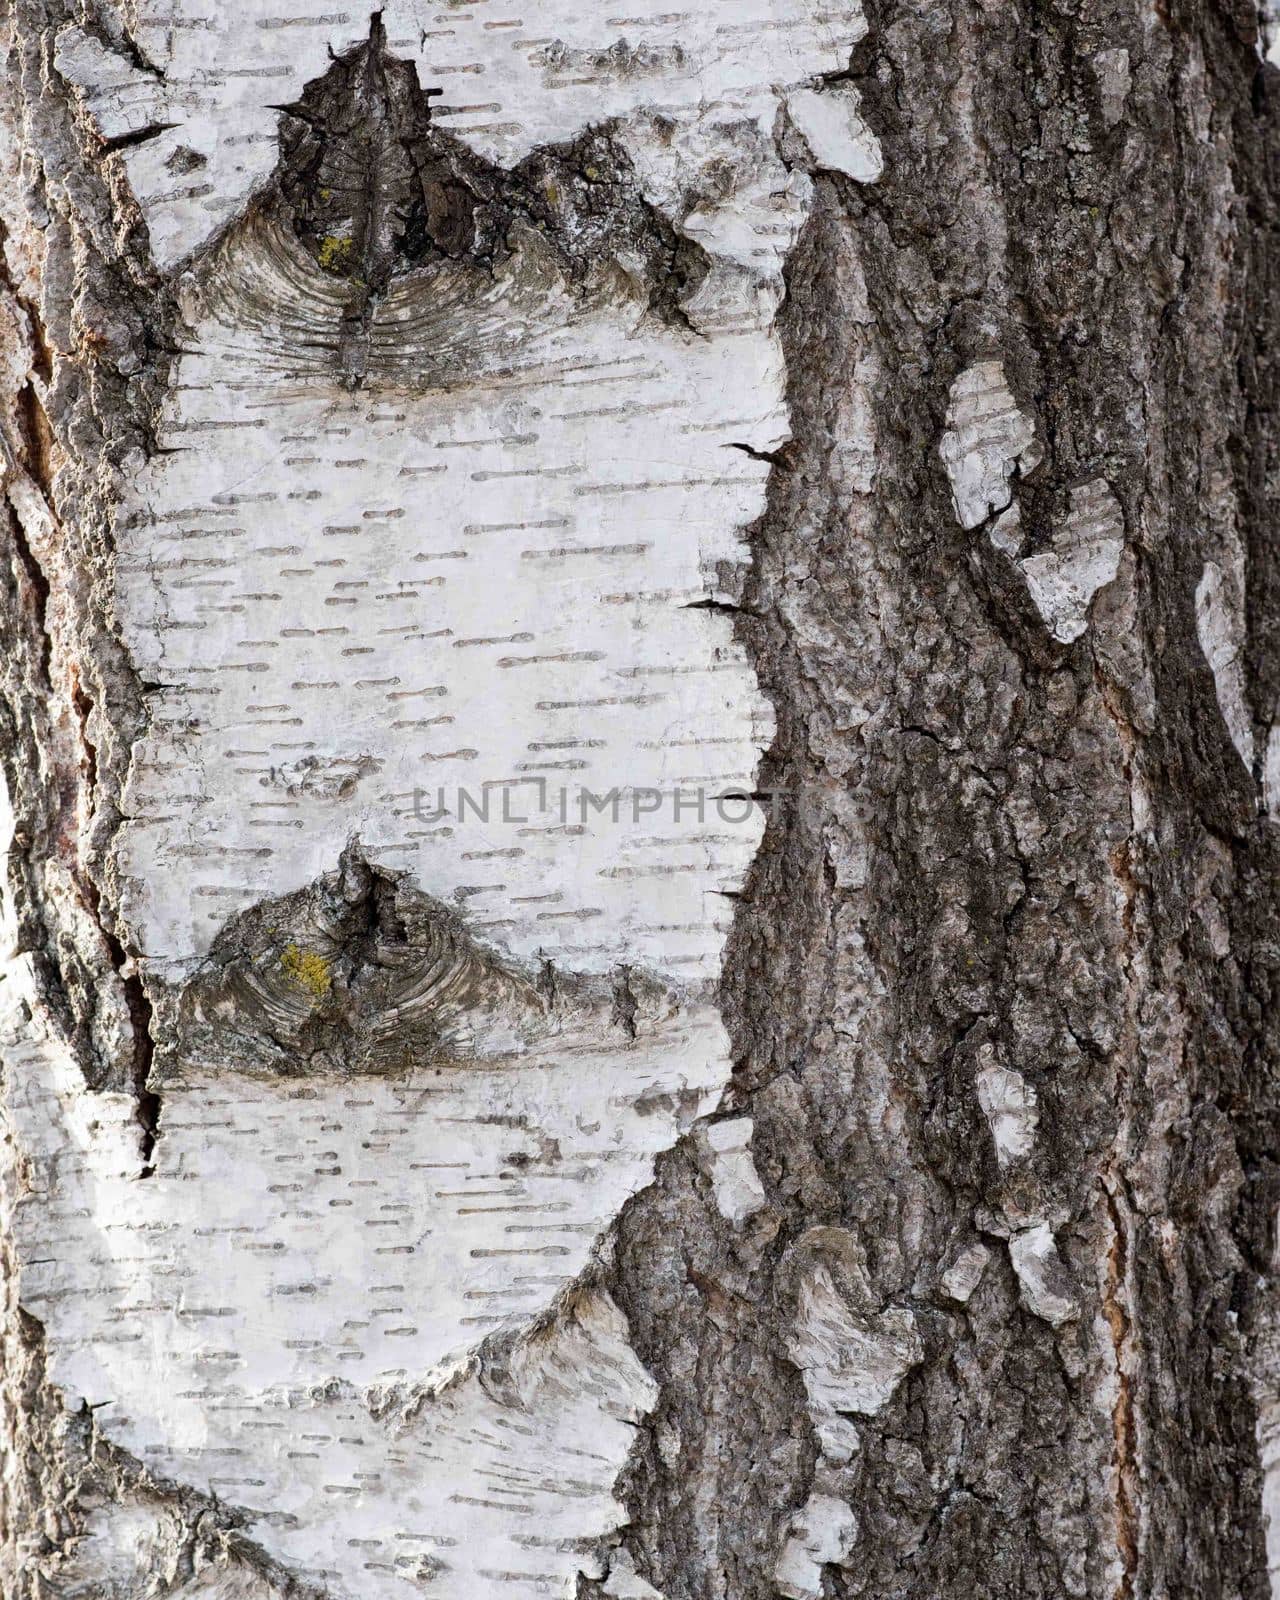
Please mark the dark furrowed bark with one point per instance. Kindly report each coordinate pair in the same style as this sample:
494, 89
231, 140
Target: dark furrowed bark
1011, 846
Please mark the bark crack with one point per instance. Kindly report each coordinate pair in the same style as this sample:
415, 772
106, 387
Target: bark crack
1124, 1416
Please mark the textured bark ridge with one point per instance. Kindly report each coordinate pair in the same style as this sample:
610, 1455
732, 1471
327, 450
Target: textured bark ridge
512, 1196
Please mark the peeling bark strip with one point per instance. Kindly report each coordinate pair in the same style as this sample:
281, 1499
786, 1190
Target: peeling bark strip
638, 1204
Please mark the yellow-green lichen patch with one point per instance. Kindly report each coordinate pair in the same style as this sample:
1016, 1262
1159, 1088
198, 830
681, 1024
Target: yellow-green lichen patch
308, 969
336, 253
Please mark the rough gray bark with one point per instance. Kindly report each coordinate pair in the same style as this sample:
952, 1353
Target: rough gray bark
988, 1306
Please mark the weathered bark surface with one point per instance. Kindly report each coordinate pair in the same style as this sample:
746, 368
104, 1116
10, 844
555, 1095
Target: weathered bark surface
875, 1198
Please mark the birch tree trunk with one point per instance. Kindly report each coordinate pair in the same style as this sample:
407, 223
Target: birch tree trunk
641, 710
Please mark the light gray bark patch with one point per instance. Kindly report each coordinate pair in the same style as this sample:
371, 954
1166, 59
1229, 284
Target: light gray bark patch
1046, 1288
853, 1354
1008, 1102
987, 439
624, 1582
131, 1547
1080, 556
823, 1532
1112, 70
124, 99
1271, 773
1083, 556
832, 127
1220, 628
738, 1190
964, 1274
